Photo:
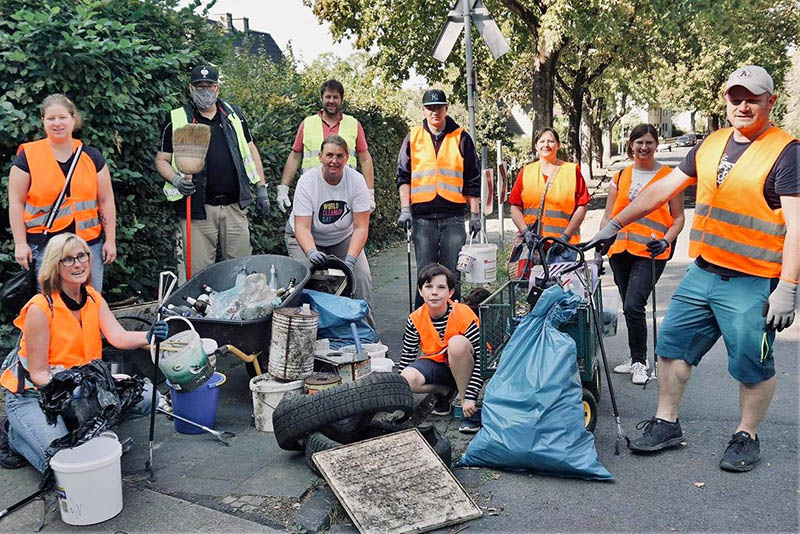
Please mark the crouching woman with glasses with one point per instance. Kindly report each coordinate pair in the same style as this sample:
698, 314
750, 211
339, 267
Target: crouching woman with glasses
61, 328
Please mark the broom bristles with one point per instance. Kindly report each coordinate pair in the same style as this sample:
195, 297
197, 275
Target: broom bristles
190, 145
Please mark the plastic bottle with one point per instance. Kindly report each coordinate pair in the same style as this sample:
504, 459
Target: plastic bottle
273, 281
182, 311
240, 276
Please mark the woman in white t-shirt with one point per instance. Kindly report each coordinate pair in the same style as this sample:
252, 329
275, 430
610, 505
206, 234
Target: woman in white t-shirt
330, 215
641, 245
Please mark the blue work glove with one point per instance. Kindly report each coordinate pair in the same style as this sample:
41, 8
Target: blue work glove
404, 220
657, 246
474, 224
159, 330
262, 200
350, 261
184, 185
603, 239
317, 258
778, 310
558, 248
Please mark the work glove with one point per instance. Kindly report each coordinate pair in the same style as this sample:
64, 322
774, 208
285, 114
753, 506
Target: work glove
558, 248
371, 200
317, 258
159, 330
603, 239
474, 224
350, 261
283, 198
262, 200
657, 246
404, 220
531, 238
184, 185
779, 308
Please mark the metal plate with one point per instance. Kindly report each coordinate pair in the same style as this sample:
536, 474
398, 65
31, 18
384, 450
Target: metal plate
395, 484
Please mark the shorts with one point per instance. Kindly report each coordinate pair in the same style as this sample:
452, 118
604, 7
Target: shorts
434, 372
706, 306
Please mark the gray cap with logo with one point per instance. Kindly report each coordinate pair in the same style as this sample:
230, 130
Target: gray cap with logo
753, 78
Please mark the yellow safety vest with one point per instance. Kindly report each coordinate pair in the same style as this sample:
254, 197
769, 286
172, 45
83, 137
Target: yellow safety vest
312, 139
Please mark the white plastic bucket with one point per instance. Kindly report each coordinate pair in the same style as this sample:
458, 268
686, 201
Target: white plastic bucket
89, 480
373, 350
478, 262
267, 393
382, 365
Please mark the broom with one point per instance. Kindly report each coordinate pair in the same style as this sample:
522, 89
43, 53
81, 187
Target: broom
189, 146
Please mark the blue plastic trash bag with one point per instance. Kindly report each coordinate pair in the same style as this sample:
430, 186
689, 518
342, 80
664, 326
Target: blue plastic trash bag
533, 412
335, 315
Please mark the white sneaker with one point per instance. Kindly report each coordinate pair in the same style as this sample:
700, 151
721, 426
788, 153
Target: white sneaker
623, 368
638, 373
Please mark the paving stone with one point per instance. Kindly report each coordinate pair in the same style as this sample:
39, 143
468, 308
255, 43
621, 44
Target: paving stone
343, 529
468, 477
249, 509
254, 499
314, 515
228, 500
286, 475
223, 466
194, 486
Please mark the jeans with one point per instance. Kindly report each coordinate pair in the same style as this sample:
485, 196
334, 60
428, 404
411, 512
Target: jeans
438, 241
634, 278
96, 251
30, 435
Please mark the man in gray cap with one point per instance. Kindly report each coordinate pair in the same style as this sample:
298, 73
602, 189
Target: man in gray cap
438, 175
746, 238
222, 190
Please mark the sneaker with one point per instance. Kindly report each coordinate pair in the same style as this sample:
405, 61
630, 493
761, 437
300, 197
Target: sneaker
443, 404
657, 434
624, 368
639, 373
742, 453
469, 426
9, 459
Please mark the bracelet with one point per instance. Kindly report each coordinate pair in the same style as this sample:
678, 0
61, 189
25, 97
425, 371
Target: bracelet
795, 282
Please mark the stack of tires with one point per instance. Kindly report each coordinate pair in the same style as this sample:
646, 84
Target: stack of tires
344, 414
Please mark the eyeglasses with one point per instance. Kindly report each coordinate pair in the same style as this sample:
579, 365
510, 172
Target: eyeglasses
69, 261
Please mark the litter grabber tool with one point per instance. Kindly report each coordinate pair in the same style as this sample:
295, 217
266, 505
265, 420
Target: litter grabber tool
190, 146
654, 374
38, 494
220, 435
166, 283
408, 261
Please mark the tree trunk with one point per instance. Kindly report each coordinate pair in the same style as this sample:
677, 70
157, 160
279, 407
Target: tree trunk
713, 123
692, 120
543, 90
609, 133
598, 150
586, 142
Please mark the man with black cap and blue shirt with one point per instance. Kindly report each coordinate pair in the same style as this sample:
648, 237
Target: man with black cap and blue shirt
222, 190
438, 175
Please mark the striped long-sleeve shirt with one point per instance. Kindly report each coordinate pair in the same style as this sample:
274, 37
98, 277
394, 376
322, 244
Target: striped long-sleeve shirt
411, 345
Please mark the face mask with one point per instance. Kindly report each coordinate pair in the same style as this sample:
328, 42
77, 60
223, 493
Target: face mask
204, 98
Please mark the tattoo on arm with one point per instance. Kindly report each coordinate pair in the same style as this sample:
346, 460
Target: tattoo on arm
102, 215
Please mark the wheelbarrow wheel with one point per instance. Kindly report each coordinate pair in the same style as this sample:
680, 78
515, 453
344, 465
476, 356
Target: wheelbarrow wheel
595, 385
589, 410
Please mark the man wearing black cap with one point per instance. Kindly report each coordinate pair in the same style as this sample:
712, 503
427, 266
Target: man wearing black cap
746, 238
437, 176
222, 190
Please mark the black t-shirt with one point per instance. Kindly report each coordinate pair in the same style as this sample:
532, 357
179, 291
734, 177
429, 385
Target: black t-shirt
783, 180
221, 177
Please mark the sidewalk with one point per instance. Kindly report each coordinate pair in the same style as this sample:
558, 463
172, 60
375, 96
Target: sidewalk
254, 486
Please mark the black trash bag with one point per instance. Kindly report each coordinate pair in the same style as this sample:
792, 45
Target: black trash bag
89, 400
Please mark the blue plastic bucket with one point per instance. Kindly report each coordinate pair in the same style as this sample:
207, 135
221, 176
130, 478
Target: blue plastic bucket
199, 405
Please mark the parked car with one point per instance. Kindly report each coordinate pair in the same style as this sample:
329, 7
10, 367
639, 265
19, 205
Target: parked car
686, 140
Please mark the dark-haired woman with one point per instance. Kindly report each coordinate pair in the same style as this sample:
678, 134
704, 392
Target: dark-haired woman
549, 199
651, 237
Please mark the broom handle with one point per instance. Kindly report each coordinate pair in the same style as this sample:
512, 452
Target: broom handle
188, 238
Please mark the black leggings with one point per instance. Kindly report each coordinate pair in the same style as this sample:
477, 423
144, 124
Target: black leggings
634, 278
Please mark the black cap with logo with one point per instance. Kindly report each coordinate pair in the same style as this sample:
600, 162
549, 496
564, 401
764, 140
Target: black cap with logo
204, 73
434, 97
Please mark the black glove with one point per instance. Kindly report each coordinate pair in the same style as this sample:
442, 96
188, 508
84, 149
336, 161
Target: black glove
262, 200
159, 330
531, 238
557, 248
474, 224
657, 246
184, 185
316, 257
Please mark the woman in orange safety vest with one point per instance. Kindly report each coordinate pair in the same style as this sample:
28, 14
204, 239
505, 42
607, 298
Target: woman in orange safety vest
650, 239
549, 199
37, 178
61, 328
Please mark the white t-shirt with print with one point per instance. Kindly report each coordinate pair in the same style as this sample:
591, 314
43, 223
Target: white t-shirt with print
330, 207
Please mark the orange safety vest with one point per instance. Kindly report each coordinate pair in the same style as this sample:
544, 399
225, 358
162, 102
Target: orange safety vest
71, 343
733, 225
435, 173
559, 204
433, 347
634, 236
47, 180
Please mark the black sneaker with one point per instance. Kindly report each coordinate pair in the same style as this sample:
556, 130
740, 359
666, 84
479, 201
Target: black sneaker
657, 434
469, 426
9, 459
443, 404
742, 453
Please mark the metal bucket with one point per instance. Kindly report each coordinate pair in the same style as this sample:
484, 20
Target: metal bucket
291, 354
321, 381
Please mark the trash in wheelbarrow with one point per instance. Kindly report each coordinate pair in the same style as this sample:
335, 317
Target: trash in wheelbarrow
533, 417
